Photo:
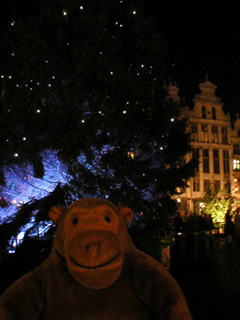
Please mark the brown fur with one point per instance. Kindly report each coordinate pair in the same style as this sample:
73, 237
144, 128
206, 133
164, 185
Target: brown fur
94, 273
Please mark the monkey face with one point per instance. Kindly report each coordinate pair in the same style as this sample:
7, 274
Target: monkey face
94, 242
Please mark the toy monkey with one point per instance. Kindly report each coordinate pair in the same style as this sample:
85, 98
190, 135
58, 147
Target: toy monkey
94, 272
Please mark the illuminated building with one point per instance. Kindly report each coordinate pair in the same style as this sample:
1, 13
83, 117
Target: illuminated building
218, 145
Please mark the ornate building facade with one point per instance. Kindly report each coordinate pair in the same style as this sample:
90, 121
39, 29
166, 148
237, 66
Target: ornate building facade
218, 145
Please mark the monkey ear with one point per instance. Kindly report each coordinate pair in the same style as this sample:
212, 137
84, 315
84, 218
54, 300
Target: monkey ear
127, 214
55, 213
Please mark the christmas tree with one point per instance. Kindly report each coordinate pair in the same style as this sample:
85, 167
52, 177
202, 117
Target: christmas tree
84, 80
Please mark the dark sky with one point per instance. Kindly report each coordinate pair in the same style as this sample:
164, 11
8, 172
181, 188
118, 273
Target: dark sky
202, 38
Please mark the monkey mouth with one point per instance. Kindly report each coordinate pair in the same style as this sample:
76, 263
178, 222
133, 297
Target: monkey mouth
98, 266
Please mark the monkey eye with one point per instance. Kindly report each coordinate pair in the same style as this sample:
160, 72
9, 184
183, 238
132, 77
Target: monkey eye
108, 219
74, 221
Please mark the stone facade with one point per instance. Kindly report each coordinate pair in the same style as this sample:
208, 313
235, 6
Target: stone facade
218, 146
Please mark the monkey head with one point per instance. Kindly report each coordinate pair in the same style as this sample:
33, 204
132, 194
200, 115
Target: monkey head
92, 238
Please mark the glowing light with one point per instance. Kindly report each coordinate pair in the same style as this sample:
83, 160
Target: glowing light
142, 65
9, 77
172, 119
2, 76
124, 111
134, 12
13, 23
83, 121
38, 111
81, 7
16, 155
64, 12
111, 72
24, 138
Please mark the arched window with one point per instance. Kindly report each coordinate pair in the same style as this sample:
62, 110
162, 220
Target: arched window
213, 113
204, 112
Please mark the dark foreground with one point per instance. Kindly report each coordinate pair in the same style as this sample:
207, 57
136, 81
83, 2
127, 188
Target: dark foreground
212, 285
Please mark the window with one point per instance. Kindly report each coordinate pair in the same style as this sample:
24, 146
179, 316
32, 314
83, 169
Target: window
216, 168
215, 134
196, 185
224, 135
226, 162
217, 186
204, 115
213, 113
194, 131
204, 133
195, 156
236, 164
205, 160
236, 148
206, 185
227, 186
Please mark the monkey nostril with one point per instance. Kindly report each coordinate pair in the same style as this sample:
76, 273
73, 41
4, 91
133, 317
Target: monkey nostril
108, 219
88, 247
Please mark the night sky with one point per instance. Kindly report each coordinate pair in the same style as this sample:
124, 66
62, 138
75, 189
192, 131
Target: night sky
202, 38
